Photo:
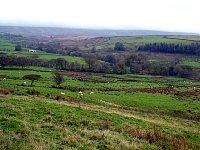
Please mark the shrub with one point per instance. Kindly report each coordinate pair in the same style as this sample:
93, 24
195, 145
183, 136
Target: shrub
33, 92
104, 124
32, 77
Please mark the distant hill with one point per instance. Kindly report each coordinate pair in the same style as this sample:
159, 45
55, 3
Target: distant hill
53, 31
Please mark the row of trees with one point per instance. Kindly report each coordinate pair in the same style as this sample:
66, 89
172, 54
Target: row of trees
59, 64
191, 49
135, 63
56, 47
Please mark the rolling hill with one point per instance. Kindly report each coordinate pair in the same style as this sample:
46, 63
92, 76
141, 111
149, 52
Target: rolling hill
48, 31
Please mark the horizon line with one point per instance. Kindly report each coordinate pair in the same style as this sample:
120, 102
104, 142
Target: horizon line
99, 28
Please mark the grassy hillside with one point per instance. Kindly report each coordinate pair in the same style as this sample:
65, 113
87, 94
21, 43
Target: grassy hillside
114, 111
49, 31
193, 62
45, 124
124, 112
190, 38
131, 42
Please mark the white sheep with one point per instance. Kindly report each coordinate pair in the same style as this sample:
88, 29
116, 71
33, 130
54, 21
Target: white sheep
62, 93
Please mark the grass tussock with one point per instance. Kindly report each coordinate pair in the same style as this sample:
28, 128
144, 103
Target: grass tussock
166, 141
4, 92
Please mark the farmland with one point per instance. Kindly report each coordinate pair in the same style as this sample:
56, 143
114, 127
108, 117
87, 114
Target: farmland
138, 110
191, 62
48, 56
133, 42
6, 45
190, 38
101, 102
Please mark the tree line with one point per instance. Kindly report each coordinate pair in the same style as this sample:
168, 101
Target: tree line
59, 63
134, 63
191, 49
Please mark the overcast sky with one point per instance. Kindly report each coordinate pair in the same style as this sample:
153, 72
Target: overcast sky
169, 15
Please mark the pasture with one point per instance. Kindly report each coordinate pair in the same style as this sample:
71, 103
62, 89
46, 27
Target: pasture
187, 38
6, 45
98, 110
193, 62
47, 56
131, 42
142, 103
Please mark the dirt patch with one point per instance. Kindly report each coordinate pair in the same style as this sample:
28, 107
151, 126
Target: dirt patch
161, 90
167, 90
187, 93
4, 92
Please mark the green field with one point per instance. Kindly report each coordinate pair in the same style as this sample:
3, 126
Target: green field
191, 38
48, 56
6, 45
133, 41
114, 112
43, 124
52, 120
193, 62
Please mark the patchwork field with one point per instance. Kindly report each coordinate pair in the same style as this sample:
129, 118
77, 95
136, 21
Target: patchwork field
97, 110
47, 56
116, 111
131, 42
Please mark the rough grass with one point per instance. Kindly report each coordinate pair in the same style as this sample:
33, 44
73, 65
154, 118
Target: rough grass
28, 121
155, 136
32, 124
44, 115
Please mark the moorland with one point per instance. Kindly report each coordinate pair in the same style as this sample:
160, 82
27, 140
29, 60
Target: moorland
99, 92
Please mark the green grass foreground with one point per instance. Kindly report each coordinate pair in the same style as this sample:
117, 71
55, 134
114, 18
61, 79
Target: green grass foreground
124, 112
33, 123
27, 123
